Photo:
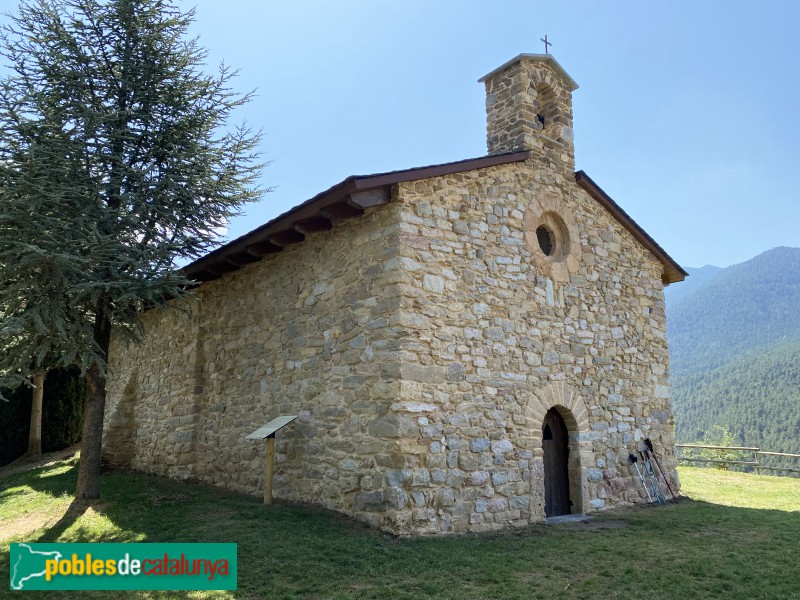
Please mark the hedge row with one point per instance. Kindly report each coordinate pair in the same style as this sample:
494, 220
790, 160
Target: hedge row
62, 415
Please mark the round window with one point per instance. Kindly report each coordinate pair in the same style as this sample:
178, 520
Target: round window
545, 239
552, 237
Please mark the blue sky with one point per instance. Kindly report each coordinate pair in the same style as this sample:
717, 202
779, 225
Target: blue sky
686, 113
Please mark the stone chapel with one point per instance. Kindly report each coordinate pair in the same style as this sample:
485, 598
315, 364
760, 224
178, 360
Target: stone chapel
468, 346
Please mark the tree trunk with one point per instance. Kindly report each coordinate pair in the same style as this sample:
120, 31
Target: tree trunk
35, 434
92, 443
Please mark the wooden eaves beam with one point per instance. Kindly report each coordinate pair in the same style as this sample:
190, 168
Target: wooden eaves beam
342, 210
313, 224
260, 249
369, 198
286, 237
241, 259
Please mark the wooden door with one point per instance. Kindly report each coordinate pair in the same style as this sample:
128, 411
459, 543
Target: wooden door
556, 456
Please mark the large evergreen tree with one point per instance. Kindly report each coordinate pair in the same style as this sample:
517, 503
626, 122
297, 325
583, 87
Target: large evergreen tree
116, 163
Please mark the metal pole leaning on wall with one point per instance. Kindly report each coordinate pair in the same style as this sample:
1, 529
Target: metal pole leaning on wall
633, 460
652, 469
653, 483
649, 445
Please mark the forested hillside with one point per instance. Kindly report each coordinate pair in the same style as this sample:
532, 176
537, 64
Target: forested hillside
752, 305
756, 396
735, 351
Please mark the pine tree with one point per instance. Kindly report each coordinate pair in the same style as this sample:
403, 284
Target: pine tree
117, 162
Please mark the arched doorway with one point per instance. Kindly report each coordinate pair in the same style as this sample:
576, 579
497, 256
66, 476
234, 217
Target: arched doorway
556, 463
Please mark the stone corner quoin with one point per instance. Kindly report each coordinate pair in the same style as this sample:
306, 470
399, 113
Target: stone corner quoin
422, 345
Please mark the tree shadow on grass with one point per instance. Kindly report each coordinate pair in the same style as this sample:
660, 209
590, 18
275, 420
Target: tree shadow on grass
74, 512
56, 485
7, 495
42, 479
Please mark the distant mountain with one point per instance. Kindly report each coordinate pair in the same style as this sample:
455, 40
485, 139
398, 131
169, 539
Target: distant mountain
697, 278
752, 305
734, 339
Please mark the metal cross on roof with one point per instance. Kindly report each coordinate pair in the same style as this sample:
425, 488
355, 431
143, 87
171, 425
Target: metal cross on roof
546, 43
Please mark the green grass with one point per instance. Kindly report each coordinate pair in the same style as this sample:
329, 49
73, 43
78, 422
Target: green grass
738, 538
738, 489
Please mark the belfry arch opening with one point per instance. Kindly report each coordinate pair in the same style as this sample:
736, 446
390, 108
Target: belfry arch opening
545, 105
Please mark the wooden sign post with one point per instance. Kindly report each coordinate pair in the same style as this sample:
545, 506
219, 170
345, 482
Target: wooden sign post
269, 466
268, 432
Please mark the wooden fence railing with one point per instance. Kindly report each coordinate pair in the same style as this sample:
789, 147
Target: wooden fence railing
755, 463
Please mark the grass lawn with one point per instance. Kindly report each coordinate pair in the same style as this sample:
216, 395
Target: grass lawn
737, 537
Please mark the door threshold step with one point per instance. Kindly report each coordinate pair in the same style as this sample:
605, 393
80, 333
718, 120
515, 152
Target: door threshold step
567, 519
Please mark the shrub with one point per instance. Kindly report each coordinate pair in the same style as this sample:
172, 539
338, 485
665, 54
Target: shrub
62, 415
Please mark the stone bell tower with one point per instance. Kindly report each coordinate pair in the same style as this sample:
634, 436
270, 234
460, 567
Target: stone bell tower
529, 107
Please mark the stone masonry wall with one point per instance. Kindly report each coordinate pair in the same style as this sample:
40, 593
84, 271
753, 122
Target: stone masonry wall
306, 331
491, 341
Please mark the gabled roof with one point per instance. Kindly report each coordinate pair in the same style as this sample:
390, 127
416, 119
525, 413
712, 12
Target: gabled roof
548, 58
356, 193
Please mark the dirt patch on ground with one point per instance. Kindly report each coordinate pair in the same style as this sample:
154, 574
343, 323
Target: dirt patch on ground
24, 525
21, 465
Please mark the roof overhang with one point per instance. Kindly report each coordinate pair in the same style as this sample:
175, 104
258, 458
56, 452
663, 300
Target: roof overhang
350, 198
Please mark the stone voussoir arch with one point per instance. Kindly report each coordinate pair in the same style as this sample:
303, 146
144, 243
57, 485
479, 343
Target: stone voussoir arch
545, 81
560, 395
